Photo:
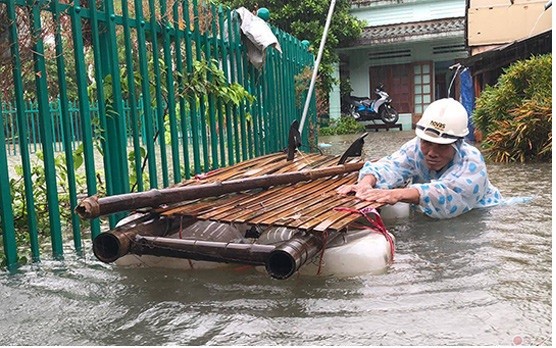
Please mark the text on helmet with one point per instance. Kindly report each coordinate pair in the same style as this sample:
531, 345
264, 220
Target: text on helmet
438, 125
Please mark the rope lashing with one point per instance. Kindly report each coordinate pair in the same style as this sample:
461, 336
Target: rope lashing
375, 222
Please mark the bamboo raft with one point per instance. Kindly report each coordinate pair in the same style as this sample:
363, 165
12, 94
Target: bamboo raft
276, 190
306, 206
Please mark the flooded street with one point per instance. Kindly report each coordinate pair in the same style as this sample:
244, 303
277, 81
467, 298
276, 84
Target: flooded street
484, 278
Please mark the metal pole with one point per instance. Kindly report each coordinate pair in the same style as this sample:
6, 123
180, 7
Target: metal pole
317, 62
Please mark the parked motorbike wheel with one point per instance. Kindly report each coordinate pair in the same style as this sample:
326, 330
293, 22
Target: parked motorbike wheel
388, 114
353, 113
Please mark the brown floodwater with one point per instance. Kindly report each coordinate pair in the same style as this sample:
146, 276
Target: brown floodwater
484, 278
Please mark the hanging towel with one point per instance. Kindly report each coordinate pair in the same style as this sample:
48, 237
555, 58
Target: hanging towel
259, 37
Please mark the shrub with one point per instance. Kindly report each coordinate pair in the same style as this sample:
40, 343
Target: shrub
515, 115
527, 136
343, 125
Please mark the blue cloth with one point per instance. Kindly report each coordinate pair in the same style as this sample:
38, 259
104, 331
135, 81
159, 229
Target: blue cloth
459, 187
468, 100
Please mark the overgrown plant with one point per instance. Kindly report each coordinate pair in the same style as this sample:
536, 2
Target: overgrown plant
17, 190
515, 115
218, 86
527, 136
343, 125
301, 82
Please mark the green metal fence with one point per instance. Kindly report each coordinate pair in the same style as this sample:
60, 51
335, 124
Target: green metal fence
127, 96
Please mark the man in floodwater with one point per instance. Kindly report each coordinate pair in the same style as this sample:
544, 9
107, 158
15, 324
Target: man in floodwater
448, 176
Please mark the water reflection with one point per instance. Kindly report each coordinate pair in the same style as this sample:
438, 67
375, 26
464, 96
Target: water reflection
480, 279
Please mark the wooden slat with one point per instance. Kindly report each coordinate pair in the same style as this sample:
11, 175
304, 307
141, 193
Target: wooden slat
325, 190
259, 200
305, 205
314, 217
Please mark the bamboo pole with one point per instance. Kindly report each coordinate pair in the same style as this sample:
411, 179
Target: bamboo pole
92, 207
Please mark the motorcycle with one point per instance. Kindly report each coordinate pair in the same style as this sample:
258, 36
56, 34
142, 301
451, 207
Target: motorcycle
366, 109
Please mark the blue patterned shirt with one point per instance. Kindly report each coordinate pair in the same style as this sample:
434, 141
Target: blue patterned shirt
459, 187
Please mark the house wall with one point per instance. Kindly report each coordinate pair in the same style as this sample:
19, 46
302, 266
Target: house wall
496, 22
390, 12
334, 101
439, 49
359, 61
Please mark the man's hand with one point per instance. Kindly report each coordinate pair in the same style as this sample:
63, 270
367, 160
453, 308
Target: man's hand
344, 190
392, 196
367, 182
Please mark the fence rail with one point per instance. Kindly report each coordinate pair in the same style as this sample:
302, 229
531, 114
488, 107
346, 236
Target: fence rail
128, 96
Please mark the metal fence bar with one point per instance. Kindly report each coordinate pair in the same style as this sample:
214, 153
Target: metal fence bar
178, 37
234, 41
66, 127
191, 97
132, 102
218, 53
6, 213
210, 52
170, 92
20, 114
145, 93
32, 110
240, 61
45, 127
200, 41
154, 31
142, 80
224, 17
248, 119
85, 110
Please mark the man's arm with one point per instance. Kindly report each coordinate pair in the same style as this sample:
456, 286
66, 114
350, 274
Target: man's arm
390, 196
368, 181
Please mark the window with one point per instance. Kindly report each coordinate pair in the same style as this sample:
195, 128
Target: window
422, 86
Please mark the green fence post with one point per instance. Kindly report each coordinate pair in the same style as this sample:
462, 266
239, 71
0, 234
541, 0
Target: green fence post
154, 32
84, 110
225, 61
6, 213
241, 59
134, 126
171, 100
9, 122
234, 42
219, 55
98, 58
191, 97
115, 118
146, 94
63, 106
181, 89
201, 40
45, 119
23, 144
211, 50
247, 124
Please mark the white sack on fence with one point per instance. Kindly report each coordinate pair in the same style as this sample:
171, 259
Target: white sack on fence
259, 37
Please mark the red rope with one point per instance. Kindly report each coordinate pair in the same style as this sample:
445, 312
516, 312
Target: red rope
322, 252
181, 227
375, 221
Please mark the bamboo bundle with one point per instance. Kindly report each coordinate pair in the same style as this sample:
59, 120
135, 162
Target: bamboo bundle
94, 206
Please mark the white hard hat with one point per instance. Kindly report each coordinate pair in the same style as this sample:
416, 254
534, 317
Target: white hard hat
443, 122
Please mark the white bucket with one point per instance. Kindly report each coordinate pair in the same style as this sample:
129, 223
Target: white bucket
396, 211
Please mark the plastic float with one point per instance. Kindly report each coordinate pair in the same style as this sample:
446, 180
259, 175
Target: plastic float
279, 213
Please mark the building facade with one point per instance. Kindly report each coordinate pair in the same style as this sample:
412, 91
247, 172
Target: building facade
409, 47
501, 32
